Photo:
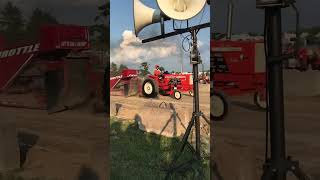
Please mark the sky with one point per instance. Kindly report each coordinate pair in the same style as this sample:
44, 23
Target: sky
78, 12
249, 19
246, 19
127, 49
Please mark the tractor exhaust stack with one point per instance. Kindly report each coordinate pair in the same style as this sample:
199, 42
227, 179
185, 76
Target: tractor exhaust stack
230, 17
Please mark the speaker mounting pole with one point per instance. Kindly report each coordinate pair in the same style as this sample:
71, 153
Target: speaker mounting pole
278, 165
195, 60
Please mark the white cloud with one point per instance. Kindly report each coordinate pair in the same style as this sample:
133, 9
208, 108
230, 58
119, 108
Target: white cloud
132, 50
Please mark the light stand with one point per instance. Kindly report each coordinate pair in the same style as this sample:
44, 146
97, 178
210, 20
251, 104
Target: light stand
278, 165
195, 120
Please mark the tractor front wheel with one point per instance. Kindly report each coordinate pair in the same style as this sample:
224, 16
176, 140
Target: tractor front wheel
219, 106
149, 88
191, 93
177, 95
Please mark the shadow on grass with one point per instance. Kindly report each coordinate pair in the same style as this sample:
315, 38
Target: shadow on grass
138, 155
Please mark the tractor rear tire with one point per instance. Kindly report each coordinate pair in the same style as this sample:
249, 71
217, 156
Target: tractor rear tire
258, 102
150, 88
219, 106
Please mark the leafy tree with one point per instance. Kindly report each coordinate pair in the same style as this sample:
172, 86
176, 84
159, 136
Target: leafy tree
113, 69
218, 36
100, 32
161, 68
12, 24
38, 18
144, 68
121, 68
104, 11
312, 31
253, 34
116, 70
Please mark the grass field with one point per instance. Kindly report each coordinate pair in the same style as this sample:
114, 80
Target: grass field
15, 177
139, 155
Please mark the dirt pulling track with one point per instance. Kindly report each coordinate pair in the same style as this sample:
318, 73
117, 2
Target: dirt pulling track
70, 145
244, 129
164, 114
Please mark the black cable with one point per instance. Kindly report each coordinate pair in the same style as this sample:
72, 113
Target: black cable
183, 44
183, 38
297, 44
266, 90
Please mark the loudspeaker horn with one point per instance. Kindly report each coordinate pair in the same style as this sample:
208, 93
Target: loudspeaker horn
181, 9
144, 16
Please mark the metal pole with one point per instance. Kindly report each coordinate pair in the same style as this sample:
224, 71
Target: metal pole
229, 23
275, 76
196, 91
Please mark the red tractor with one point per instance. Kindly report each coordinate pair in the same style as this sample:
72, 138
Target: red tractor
238, 69
168, 85
152, 85
55, 72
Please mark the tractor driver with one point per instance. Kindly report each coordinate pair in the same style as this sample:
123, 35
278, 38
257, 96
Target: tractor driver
157, 71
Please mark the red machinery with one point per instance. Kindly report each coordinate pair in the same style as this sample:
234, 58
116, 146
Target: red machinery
125, 81
150, 86
168, 84
307, 57
238, 69
51, 73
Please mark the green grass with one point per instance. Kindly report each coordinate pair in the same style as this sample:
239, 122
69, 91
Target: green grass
12, 176
136, 155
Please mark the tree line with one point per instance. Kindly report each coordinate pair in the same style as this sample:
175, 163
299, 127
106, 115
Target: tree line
15, 28
144, 69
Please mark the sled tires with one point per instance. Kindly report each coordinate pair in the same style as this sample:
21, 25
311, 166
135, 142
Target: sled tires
149, 88
219, 106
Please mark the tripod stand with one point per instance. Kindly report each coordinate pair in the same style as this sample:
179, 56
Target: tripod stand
277, 166
195, 120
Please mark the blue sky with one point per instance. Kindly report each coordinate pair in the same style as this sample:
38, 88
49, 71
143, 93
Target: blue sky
121, 19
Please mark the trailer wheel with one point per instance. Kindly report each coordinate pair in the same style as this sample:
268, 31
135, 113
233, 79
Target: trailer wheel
149, 88
258, 102
177, 95
219, 106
